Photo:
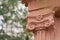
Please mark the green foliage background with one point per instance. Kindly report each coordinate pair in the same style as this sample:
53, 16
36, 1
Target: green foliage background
8, 6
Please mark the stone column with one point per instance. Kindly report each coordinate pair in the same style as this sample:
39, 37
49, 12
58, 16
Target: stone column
40, 20
41, 23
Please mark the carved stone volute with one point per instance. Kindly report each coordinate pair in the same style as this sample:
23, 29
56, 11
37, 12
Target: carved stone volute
40, 21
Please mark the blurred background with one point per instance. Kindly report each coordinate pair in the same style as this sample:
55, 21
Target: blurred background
13, 21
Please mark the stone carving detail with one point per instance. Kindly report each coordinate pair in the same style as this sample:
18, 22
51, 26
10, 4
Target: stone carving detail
31, 26
40, 22
39, 17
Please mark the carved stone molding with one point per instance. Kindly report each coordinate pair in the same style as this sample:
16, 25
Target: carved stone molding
35, 22
40, 22
39, 17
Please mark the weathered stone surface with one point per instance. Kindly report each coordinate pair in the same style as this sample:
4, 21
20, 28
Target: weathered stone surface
34, 4
41, 23
41, 19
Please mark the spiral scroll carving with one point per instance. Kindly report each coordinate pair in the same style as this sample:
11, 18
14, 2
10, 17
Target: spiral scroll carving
40, 22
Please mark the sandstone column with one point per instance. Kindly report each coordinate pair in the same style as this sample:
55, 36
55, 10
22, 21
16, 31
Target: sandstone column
41, 23
40, 20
